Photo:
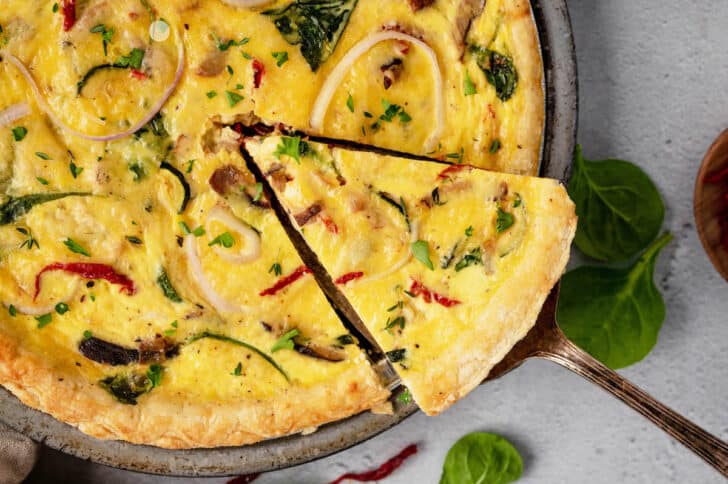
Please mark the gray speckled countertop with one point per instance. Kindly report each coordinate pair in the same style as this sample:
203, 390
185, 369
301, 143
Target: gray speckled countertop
654, 90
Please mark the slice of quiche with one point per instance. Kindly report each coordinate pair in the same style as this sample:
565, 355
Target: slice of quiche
446, 265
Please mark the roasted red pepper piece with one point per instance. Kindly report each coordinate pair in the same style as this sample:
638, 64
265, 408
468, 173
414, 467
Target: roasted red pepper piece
330, 224
451, 170
89, 270
68, 8
258, 73
286, 281
419, 289
382, 471
349, 277
138, 74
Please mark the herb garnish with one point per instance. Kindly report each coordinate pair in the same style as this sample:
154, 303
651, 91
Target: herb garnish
285, 342
280, 57
133, 239
238, 371
172, 330
291, 146
14, 208
44, 320
211, 94
495, 146
275, 269
198, 232
350, 103
258, 191
233, 98
190, 165
42, 156
154, 373
61, 308
474, 257
127, 388
12, 311
315, 25
137, 169
223, 46
421, 252
75, 247
468, 85
405, 397
30, 241
106, 35
19, 133
504, 221
393, 323
41, 180
224, 239
469, 231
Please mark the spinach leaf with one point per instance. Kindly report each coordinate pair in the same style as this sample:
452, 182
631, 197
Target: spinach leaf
614, 314
127, 388
499, 71
14, 208
316, 25
620, 210
166, 286
482, 458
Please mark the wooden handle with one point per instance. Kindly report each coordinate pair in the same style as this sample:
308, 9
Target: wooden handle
560, 350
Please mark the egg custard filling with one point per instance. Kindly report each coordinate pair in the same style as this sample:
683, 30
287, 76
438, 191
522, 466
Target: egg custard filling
148, 291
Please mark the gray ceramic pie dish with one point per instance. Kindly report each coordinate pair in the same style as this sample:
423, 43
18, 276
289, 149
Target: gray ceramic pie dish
557, 46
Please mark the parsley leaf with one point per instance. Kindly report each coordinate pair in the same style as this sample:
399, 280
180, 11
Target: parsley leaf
154, 373
280, 57
405, 397
61, 308
495, 146
276, 269
12, 311
258, 191
233, 98
41, 180
504, 221
106, 35
75, 170
285, 342
421, 251
224, 239
468, 85
211, 94
469, 231
44, 320
290, 146
238, 370
75, 247
19, 133
350, 103
133, 60
42, 156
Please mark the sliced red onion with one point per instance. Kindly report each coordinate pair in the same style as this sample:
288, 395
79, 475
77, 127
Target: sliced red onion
321, 105
251, 248
111, 137
217, 301
13, 113
414, 235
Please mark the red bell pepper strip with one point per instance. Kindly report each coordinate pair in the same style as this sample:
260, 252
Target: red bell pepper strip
138, 74
330, 224
68, 8
382, 471
348, 277
418, 289
286, 281
451, 170
88, 270
258, 73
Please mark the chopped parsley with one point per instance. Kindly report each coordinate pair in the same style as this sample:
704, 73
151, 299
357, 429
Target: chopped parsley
198, 232
229, 70
393, 323
44, 320
495, 146
504, 221
238, 371
154, 373
224, 239
190, 165
469, 231
170, 332
75, 247
19, 133
134, 240
518, 201
41, 180
42, 156
280, 57
405, 397
468, 85
458, 157
211, 94
55, 7
350, 103
285, 342
138, 171
290, 146
223, 46
133, 60
30, 241
106, 35
390, 111
75, 170
258, 191
233, 98
276, 269
421, 252
12, 311
61, 308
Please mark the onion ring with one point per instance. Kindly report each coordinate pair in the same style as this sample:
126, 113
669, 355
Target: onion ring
400, 263
218, 302
111, 137
251, 249
13, 113
321, 105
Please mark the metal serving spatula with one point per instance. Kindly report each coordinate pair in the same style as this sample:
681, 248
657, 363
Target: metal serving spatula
545, 340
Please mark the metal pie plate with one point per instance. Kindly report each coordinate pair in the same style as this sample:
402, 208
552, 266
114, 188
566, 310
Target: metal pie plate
557, 46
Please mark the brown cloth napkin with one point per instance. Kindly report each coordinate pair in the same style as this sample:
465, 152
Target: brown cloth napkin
18, 454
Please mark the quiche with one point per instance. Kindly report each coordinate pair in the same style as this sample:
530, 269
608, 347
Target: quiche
149, 292
447, 266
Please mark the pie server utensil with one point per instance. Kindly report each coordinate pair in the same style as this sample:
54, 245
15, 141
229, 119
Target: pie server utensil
545, 340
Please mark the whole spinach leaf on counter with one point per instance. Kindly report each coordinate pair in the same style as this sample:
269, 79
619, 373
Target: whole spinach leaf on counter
482, 458
619, 208
316, 25
615, 314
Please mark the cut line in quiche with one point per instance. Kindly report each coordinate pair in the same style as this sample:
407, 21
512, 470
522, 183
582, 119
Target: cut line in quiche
447, 266
148, 293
